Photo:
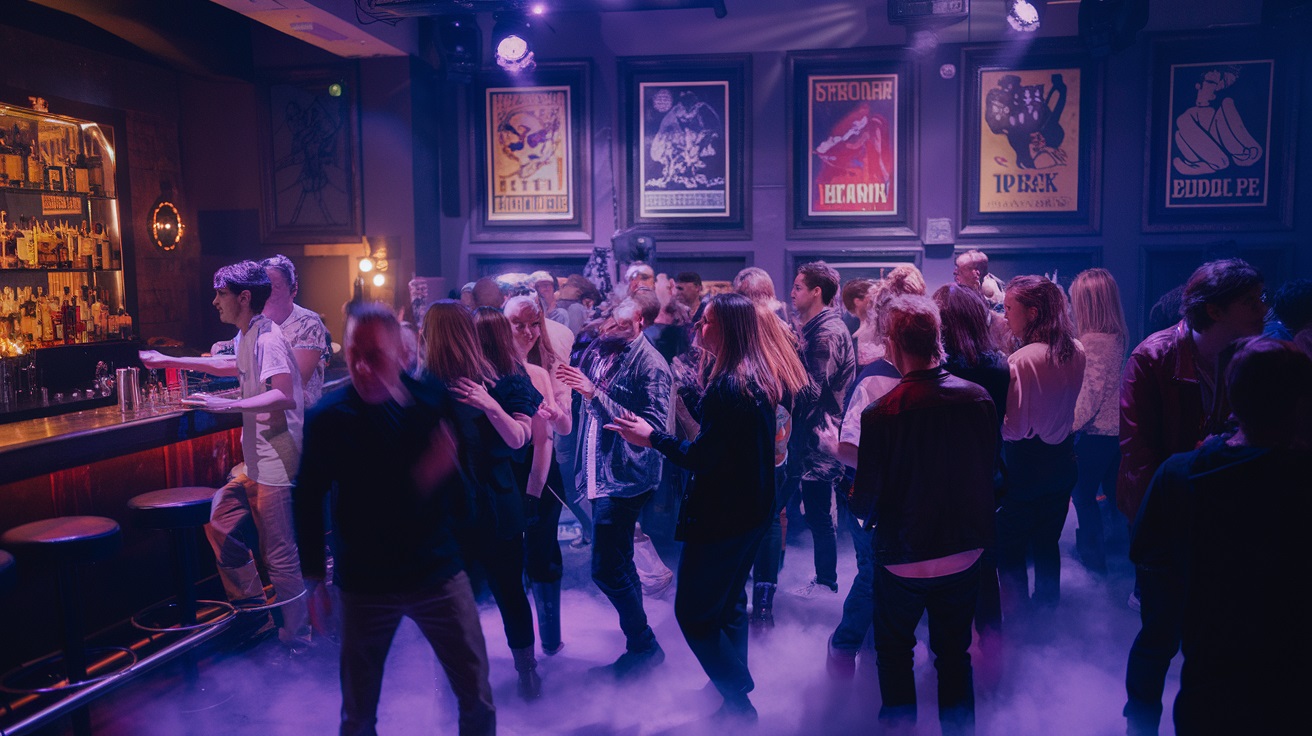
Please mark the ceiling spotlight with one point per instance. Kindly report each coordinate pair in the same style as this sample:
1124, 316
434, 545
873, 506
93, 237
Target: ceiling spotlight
1023, 15
379, 279
366, 265
539, 8
511, 42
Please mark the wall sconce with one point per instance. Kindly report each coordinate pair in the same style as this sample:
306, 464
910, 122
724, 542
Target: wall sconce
166, 226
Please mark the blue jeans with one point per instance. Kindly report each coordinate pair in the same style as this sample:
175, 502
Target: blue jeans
1098, 458
613, 522
899, 604
769, 554
817, 500
447, 616
711, 607
859, 606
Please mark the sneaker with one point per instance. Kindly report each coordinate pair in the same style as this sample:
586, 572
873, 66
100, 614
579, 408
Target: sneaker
579, 542
738, 711
841, 663
657, 588
631, 665
815, 589
1133, 602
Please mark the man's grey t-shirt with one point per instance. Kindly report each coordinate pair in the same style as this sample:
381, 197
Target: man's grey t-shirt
270, 440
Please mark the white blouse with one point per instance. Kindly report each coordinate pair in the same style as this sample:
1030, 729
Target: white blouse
1042, 395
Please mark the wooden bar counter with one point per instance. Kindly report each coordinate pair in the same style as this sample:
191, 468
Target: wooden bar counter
91, 462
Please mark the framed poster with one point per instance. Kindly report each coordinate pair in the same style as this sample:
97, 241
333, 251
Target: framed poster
532, 157
310, 156
683, 134
1221, 133
850, 121
1032, 135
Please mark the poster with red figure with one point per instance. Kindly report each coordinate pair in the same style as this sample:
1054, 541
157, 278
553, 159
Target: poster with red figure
852, 128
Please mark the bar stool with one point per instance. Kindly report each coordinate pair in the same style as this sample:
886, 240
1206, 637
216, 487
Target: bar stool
67, 542
181, 512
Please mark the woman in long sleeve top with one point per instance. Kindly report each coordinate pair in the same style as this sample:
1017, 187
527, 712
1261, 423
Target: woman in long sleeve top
728, 502
1038, 448
1096, 302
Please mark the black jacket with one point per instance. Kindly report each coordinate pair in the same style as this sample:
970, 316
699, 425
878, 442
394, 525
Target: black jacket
925, 468
732, 464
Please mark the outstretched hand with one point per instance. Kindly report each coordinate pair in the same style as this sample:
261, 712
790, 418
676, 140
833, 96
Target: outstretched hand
634, 429
574, 378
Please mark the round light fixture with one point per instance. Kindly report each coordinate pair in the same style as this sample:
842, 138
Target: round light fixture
379, 279
366, 265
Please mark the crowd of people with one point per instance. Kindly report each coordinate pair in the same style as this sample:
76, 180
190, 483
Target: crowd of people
949, 431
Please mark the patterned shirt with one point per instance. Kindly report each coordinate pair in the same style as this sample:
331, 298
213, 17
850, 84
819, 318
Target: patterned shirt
304, 330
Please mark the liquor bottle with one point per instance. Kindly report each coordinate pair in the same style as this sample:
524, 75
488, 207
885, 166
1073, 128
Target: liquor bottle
125, 324
81, 175
31, 326
11, 164
35, 169
56, 334
68, 318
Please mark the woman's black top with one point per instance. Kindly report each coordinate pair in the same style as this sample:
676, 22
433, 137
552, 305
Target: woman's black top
732, 464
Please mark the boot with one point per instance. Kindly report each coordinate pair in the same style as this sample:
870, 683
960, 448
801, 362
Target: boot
530, 685
763, 606
546, 597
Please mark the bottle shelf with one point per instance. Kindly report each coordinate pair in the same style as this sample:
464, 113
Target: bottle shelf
29, 190
60, 270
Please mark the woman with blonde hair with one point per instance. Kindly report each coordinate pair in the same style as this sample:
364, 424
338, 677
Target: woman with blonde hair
1100, 323
544, 484
502, 403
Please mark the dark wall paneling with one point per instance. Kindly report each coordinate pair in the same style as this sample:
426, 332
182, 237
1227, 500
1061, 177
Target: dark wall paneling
1059, 263
1165, 267
711, 266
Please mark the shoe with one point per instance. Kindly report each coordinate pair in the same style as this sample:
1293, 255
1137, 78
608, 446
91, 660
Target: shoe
631, 665
546, 599
1133, 602
579, 542
737, 709
815, 589
530, 684
762, 607
840, 663
657, 588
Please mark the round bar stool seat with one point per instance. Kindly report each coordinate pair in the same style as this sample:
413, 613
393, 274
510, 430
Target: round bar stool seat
65, 539
181, 512
172, 508
8, 575
66, 542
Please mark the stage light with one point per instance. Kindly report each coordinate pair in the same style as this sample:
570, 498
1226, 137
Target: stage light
366, 265
379, 279
1023, 15
539, 8
512, 43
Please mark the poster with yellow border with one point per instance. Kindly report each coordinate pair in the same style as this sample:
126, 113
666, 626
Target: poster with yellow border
1029, 140
529, 154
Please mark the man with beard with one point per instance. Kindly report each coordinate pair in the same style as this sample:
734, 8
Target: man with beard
620, 372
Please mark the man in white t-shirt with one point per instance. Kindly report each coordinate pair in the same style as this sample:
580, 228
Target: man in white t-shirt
272, 409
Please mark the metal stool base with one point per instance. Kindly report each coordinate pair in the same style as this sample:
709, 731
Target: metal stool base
142, 619
47, 675
270, 606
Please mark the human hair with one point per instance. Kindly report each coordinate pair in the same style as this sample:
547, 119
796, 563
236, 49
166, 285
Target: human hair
649, 306
1269, 383
906, 280
1096, 302
1293, 304
1052, 322
1166, 310
451, 349
1218, 284
283, 265
539, 276
373, 314
913, 325
498, 345
855, 289
821, 275
245, 276
755, 284
542, 353
638, 268
779, 346
965, 323
488, 293
678, 312
739, 353
976, 259
689, 277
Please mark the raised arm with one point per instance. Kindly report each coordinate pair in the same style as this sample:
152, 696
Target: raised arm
219, 365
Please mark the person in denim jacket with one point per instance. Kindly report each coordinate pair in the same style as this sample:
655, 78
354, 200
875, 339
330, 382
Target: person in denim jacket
621, 372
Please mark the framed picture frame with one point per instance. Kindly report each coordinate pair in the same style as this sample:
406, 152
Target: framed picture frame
851, 117
1221, 122
310, 155
685, 137
1031, 141
532, 154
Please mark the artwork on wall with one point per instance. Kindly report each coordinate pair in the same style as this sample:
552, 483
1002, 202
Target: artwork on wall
1032, 134
531, 143
683, 134
1221, 123
310, 155
850, 122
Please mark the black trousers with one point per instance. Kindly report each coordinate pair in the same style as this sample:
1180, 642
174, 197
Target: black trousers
500, 562
448, 618
899, 604
1030, 519
1161, 613
710, 605
542, 559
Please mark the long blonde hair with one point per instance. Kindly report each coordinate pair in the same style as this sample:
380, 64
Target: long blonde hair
542, 353
779, 346
1096, 301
